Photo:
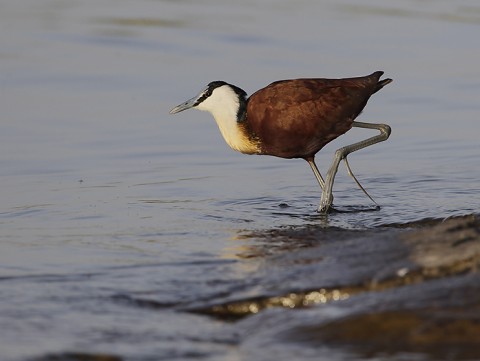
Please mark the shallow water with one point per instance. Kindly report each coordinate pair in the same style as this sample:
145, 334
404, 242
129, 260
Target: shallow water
106, 199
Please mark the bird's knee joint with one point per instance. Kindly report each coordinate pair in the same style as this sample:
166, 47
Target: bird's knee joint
386, 130
341, 153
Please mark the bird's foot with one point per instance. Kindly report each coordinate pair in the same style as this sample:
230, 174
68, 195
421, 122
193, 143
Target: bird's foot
325, 202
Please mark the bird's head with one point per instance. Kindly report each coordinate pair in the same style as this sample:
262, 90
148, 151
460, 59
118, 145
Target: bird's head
219, 98
228, 105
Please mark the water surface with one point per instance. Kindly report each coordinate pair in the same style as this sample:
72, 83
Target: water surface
106, 199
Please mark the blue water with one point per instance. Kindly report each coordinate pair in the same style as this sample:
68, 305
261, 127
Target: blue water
106, 197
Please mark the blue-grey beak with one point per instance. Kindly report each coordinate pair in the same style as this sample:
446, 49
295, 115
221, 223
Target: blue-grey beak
184, 106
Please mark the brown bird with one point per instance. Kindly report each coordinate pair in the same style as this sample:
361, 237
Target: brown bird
293, 119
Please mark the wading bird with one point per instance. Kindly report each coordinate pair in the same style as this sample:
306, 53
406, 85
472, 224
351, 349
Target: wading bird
293, 119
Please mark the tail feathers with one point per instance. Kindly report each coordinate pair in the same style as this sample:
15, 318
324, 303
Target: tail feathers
381, 83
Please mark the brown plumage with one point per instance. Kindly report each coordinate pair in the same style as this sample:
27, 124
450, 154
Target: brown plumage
293, 119
296, 118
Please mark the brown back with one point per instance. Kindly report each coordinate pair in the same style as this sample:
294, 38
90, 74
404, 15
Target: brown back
296, 118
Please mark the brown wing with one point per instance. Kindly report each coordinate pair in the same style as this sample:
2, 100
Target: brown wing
296, 118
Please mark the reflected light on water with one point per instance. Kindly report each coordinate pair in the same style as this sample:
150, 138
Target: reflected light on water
123, 221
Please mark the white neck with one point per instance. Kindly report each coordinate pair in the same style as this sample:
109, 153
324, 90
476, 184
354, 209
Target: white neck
224, 104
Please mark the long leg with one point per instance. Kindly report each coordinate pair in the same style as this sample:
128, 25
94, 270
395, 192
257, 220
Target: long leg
349, 170
327, 197
311, 162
